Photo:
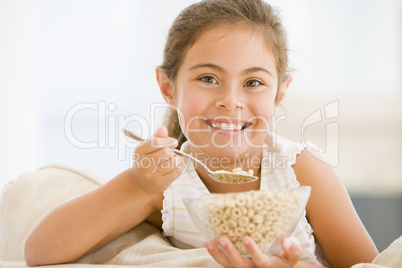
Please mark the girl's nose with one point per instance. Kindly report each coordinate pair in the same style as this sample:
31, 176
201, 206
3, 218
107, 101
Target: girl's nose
229, 99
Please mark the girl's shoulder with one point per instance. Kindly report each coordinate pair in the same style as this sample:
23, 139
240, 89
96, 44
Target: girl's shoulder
311, 167
297, 153
283, 146
280, 158
306, 164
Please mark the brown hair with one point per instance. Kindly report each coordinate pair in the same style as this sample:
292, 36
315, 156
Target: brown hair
199, 17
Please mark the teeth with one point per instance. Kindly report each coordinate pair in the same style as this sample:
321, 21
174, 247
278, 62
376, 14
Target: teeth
225, 126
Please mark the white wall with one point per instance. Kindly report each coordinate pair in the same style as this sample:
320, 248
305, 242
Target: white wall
60, 54
20, 123
100, 54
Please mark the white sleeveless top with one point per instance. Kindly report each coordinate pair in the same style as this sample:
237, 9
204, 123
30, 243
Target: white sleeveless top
277, 173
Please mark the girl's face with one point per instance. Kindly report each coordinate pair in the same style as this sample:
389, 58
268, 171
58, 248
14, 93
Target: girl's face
225, 92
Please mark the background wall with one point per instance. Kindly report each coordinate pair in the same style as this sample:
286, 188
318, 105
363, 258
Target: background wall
21, 145
72, 73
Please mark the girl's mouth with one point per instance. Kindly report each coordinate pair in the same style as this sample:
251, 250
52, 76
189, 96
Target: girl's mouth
231, 126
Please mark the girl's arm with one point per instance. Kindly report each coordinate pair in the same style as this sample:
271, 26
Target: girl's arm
88, 222
337, 227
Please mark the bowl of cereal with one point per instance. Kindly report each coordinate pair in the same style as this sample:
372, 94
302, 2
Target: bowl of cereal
266, 216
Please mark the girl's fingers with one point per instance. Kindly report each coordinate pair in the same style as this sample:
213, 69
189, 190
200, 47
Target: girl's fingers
291, 251
287, 257
259, 258
217, 254
174, 165
154, 144
159, 140
233, 254
161, 132
160, 163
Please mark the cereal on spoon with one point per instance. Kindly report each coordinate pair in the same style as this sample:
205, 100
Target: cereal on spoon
230, 177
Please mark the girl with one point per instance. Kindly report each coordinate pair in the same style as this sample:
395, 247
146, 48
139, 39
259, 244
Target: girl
224, 73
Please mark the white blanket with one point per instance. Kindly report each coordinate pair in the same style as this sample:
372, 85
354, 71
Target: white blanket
29, 198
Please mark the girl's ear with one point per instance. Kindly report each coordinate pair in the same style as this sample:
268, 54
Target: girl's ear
284, 87
165, 85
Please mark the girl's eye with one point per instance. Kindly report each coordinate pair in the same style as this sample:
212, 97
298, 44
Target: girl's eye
208, 79
252, 83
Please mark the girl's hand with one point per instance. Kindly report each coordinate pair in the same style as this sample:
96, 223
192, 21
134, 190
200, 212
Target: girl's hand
155, 165
288, 256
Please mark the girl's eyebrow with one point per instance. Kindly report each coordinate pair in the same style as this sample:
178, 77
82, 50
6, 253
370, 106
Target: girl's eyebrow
207, 65
218, 68
257, 69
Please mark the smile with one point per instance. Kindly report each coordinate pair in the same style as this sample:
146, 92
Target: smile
228, 125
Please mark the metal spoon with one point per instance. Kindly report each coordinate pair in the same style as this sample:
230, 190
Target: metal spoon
219, 176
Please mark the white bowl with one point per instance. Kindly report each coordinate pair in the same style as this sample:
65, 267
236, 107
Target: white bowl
266, 216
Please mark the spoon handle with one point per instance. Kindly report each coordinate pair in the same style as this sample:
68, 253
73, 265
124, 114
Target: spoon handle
131, 135
135, 137
192, 158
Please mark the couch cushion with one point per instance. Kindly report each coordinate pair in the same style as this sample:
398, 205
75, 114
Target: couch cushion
25, 201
